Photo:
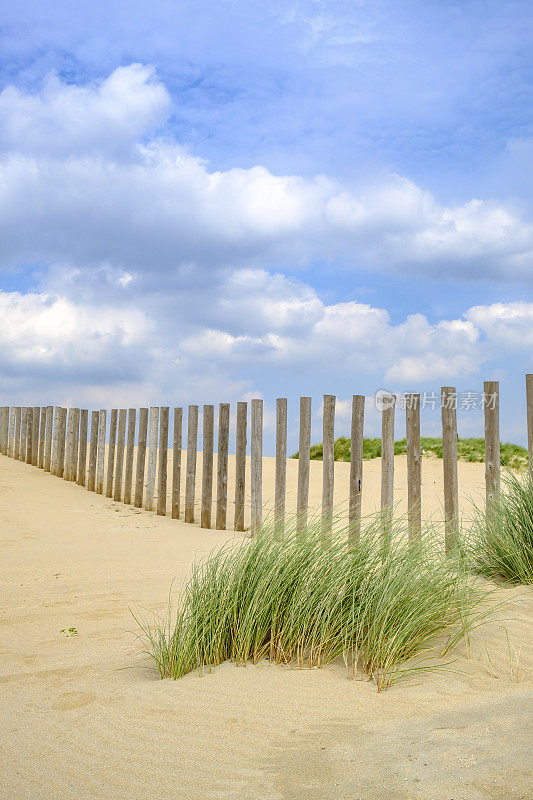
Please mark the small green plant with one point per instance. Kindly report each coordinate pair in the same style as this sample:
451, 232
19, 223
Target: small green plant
305, 599
511, 455
69, 631
500, 542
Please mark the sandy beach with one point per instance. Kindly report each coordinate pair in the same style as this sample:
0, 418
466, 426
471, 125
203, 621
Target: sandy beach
86, 716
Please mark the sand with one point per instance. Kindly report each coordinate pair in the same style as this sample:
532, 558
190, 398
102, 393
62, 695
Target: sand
86, 716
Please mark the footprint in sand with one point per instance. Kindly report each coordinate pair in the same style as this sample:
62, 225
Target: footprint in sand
71, 700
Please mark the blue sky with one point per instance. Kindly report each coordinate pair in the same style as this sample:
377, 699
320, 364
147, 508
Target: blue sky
208, 201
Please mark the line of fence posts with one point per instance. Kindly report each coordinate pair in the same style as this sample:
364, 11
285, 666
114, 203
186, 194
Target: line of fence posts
55, 439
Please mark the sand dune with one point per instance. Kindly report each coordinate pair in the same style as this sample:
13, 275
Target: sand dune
87, 717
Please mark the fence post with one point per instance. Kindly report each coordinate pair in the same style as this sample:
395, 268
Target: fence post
387, 464
42, 434
163, 463
111, 448
256, 465
176, 463
4, 433
304, 457
100, 454
208, 425
240, 465
82, 452
71, 454
35, 435
16, 444
449, 465
491, 402
222, 466
190, 478
529, 404
328, 461
141, 457
48, 434
119, 461
93, 450
55, 442
11, 433
414, 466
29, 434
61, 435
153, 432
281, 462
130, 448
356, 467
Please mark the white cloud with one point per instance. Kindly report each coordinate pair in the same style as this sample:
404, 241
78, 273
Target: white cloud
83, 183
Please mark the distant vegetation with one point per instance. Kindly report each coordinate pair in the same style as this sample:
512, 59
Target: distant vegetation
512, 455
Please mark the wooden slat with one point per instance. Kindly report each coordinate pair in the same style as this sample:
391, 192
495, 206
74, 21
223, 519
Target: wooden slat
16, 449
240, 465
141, 458
82, 451
414, 466
176, 463
328, 461
130, 450
100, 455
55, 442
111, 449
256, 465
280, 489
93, 450
208, 424
48, 438
449, 466
356, 467
302, 500
387, 465
222, 466
163, 462
151, 467
119, 457
190, 478
29, 435
42, 434
35, 435
492, 439
61, 439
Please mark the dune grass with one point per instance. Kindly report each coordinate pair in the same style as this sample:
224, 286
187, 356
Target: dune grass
511, 455
304, 599
500, 543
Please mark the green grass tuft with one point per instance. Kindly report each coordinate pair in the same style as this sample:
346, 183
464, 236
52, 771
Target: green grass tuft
501, 539
511, 455
304, 599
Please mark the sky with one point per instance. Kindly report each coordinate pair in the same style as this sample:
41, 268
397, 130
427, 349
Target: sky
207, 202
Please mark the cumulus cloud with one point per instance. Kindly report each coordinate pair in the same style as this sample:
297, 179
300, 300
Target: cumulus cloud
85, 179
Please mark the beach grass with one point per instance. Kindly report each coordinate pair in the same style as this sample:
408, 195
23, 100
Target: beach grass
500, 541
305, 599
473, 450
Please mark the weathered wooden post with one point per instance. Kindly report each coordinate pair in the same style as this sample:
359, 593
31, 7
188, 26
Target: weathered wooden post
93, 451
11, 433
280, 490
71, 452
387, 464
111, 449
16, 450
55, 442
190, 478
130, 449
256, 465
491, 402
176, 463
356, 467
304, 458
48, 438
222, 466
35, 435
4, 426
119, 460
42, 437
29, 434
61, 436
240, 465
151, 469
328, 461
414, 466
529, 404
449, 465
100, 455
163, 463
141, 457
82, 452
208, 425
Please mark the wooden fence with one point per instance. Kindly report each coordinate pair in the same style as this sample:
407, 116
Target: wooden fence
71, 444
